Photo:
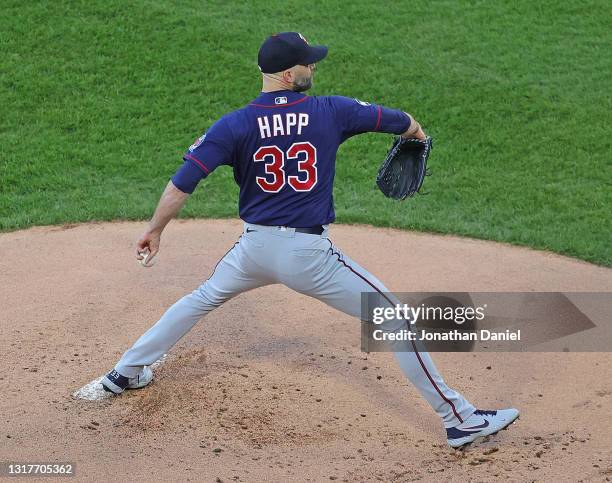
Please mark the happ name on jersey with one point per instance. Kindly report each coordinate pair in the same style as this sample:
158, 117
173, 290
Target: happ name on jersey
281, 124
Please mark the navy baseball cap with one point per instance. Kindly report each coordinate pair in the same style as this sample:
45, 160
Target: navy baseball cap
286, 49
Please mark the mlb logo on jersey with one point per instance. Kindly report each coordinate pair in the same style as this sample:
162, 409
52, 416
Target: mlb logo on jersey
280, 100
197, 142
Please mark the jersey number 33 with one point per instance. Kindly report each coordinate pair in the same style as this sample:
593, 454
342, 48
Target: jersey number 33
274, 159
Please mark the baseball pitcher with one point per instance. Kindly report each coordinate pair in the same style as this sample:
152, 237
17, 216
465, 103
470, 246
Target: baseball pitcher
282, 148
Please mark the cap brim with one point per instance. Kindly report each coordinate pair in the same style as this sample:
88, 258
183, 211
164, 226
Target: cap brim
315, 54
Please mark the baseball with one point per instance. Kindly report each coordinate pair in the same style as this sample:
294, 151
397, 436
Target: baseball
145, 261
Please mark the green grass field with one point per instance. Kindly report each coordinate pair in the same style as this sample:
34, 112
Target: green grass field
100, 100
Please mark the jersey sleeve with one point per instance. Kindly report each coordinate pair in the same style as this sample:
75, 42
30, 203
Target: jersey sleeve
214, 148
355, 117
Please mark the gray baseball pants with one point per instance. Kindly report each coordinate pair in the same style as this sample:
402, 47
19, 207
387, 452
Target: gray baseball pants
308, 264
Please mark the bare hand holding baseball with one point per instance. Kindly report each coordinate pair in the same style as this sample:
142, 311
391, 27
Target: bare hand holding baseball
147, 247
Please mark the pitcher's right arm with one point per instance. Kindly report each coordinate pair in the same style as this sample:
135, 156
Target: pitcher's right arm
356, 117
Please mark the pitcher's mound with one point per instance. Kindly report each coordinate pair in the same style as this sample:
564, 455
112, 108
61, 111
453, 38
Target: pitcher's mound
272, 386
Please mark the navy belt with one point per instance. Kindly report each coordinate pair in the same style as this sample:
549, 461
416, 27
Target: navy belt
313, 230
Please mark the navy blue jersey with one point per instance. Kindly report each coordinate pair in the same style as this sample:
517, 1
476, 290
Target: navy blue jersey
282, 148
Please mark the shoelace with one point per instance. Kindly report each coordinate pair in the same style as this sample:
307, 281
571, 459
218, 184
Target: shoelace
481, 412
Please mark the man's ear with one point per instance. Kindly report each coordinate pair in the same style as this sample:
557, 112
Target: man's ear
288, 76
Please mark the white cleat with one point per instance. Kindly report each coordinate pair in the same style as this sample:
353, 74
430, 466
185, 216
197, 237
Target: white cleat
480, 424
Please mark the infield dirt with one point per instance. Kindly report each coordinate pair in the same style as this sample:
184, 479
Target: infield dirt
272, 386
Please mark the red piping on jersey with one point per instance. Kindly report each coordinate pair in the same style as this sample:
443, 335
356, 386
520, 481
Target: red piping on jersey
189, 156
281, 105
413, 343
378, 120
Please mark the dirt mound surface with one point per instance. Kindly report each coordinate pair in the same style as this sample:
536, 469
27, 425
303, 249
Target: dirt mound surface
272, 386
